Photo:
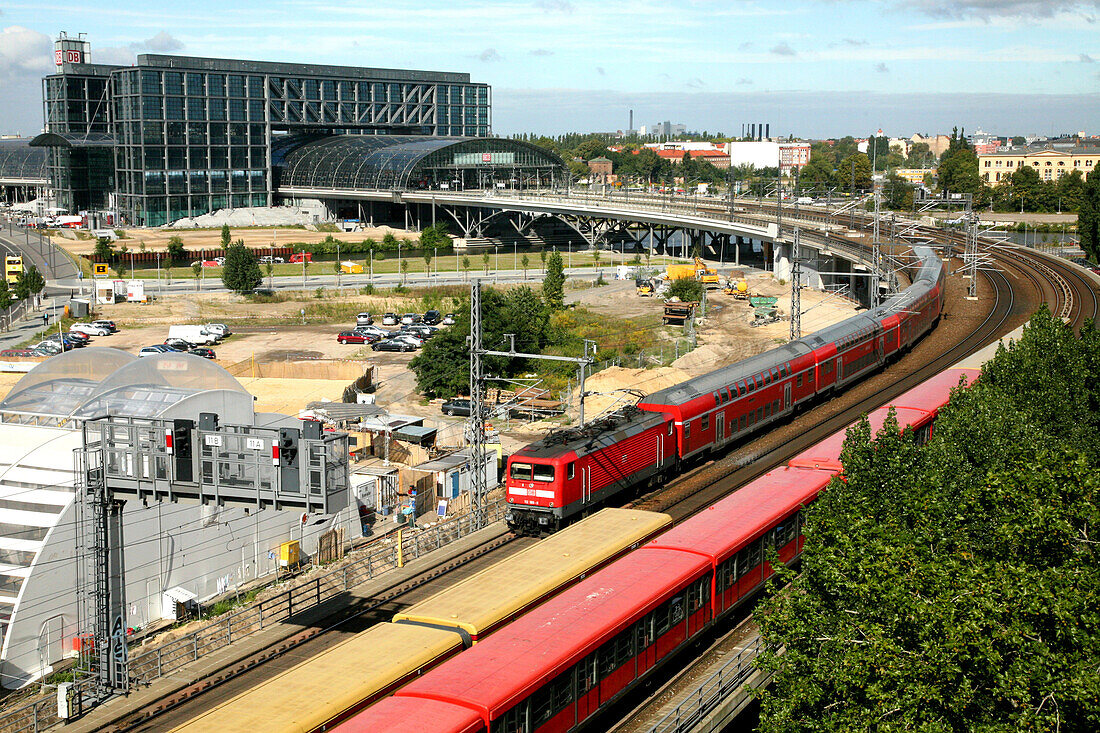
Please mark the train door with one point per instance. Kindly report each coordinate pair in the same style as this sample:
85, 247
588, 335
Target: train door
719, 427
787, 396
586, 484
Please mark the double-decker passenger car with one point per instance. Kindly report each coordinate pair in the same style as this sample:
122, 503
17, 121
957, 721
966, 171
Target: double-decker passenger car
566, 474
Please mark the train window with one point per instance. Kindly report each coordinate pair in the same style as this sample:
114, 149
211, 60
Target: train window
741, 423
768, 378
741, 387
798, 380
616, 652
570, 470
704, 422
521, 471
513, 720
759, 381
759, 414
543, 473
586, 674
687, 429
727, 575
768, 410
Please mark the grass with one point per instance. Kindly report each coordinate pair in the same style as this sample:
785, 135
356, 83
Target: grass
444, 265
228, 604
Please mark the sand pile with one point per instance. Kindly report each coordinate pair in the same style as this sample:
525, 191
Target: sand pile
617, 378
257, 216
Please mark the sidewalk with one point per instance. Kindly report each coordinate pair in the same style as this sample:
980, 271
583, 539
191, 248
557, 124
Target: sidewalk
31, 324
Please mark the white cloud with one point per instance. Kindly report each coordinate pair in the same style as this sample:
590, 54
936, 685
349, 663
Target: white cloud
489, 55
541, 52
162, 42
782, 49
1006, 8
881, 68
556, 6
24, 51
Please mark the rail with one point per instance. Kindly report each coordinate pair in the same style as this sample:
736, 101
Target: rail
224, 630
711, 691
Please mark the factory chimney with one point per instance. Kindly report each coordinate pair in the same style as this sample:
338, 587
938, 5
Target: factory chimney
768, 131
631, 128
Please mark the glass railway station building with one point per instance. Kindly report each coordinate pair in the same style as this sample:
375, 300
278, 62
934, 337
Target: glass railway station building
177, 136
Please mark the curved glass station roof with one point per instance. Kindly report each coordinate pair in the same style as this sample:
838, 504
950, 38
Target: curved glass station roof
368, 162
20, 162
94, 381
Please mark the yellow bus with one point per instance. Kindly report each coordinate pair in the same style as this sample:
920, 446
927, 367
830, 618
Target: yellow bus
13, 265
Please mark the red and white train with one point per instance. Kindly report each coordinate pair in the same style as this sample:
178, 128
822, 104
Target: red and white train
556, 667
571, 472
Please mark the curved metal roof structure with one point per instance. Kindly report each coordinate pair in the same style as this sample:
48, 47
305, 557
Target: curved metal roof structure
401, 161
93, 381
20, 162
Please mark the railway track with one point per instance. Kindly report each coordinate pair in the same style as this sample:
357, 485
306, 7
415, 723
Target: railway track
682, 498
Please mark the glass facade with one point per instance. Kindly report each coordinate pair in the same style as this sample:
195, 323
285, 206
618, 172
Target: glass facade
194, 135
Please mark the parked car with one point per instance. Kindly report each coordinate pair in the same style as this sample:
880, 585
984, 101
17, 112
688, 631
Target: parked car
156, 349
204, 352
273, 260
16, 353
459, 406
70, 341
410, 318
81, 339
109, 325
220, 261
432, 317
392, 345
420, 330
449, 319
218, 329
178, 344
89, 329
373, 331
390, 319
355, 337
364, 319
409, 338
52, 347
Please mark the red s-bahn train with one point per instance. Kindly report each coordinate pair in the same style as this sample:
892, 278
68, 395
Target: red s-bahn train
573, 471
556, 667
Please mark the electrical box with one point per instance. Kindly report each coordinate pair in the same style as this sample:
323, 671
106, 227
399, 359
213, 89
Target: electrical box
289, 554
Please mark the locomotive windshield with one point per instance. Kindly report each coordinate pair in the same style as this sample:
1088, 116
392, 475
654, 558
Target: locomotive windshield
528, 472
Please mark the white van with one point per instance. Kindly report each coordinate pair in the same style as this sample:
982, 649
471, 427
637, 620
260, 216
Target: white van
195, 334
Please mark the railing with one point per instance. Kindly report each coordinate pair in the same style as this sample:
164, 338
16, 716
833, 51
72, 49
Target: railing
712, 691
219, 633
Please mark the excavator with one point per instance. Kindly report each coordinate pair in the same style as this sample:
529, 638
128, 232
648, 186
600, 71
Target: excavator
697, 270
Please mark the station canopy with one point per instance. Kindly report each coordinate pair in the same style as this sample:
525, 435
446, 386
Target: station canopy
95, 381
373, 162
20, 162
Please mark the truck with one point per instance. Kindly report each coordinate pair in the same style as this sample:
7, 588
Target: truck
301, 257
135, 292
198, 335
351, 268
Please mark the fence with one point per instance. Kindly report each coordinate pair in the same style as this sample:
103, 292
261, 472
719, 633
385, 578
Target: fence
712, 691
166, 658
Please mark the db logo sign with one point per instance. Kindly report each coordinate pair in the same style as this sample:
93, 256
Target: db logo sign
486, 157
59, 57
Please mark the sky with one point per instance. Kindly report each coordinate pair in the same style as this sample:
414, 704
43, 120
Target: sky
809, 68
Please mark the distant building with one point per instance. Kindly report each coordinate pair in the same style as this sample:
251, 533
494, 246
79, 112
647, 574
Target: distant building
1051, 164
684, 145
983, 143
938, 144
662, 129
793, 156
717, 158
600, 168
755, 154
915, 176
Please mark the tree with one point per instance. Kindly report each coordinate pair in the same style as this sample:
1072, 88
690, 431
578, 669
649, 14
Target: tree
428, 254
404, 270
465, 266
241, 272
954, 586
269, 268
687, 289
553, 284
175, 252
6, 296
958, 169
1088, 217
29, 283
525, 262
1026, 188
196, 268
226, 236
858, 163
897, 193
542, 258
485, 261
104, 251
